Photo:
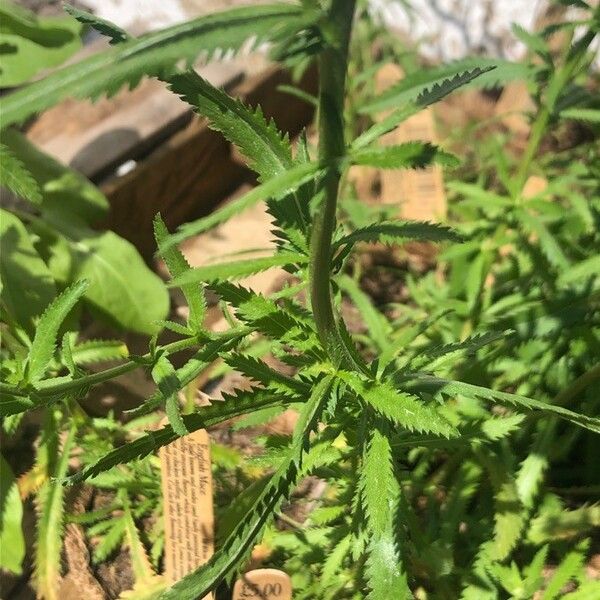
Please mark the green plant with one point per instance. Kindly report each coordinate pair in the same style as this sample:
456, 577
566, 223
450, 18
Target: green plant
407, 440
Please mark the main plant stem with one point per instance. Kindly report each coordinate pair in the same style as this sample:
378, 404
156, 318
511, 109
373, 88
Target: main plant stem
332, 146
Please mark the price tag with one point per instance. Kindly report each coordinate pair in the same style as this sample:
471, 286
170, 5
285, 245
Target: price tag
419, 192
263, 584
188, 504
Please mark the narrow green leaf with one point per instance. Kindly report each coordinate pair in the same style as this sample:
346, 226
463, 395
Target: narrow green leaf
424, 99
165, 377
44, 342
233, 406
380, 492
411, 155
50, 503
589, 115
238, 269
178, 265
446, 386
112, 31
261, 143
94, 351
401, 408
433, 84
588, 268
561, 525
12, 541
151, 54
396, 231
568, 569
16, 178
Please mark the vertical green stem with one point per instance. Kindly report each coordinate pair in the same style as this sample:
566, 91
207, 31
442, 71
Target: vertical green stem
558, 81
332, 80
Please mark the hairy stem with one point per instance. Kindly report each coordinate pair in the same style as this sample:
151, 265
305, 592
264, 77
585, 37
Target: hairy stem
332, 80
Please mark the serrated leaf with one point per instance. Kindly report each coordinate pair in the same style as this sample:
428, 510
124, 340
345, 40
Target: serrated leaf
238, 269
50, 503
142, 570
260, 372
446, 386
380, 492
588, 268
560, 525
474, 72
178, 265
16, 178
188, 372
410, 155
12, 541
429, 96
262, 313
150, 54
568, 569
275, 188
396, 231
165, 377
44, 342
12, 404
401, 408
112, 31
588, 115
233, 406
93, 351
261, 143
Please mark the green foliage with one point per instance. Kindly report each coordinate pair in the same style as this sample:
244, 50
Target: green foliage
380, 493
50, 501
27, 284
437, 420
416, 87
30, 43
46, 333
152, 54
15, 177
12, 541
122, 289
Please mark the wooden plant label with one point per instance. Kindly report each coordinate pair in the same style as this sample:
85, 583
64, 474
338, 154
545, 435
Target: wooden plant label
420, 192
188, 504
263, 584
